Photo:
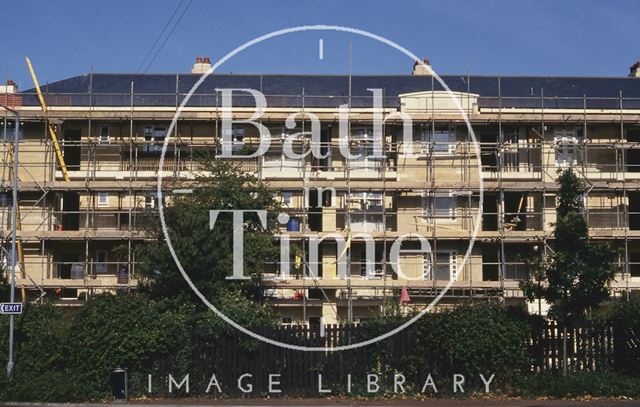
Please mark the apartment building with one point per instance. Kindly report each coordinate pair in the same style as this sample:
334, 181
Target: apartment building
484, 206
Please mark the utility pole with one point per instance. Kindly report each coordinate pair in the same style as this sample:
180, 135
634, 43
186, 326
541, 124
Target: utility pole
16, 149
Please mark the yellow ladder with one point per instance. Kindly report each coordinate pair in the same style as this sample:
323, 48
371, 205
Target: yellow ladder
52, 130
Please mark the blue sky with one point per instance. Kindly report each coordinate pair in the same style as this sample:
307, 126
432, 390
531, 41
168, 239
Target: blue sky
561, 38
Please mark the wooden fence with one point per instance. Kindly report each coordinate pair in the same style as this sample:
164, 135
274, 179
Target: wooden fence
590, 347
602, 348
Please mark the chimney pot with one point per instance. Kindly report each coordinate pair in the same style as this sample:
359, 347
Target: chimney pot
202, 65
423, 68
634, 70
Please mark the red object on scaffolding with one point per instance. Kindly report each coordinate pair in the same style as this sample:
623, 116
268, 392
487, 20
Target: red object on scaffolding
404, 296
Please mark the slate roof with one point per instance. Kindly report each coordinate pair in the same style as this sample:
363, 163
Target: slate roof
110, 89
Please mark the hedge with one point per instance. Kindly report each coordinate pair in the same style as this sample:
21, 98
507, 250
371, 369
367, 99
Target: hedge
65, 355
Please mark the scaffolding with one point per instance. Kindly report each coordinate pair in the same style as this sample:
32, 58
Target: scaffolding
73, 215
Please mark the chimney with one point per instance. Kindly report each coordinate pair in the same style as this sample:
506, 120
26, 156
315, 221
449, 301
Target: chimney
422, 69
10, 87
9, 95
634, 70
202, 65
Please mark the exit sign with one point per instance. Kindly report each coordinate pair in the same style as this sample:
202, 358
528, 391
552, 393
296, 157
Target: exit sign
11, 308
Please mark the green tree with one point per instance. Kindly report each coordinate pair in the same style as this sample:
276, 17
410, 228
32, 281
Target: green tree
575, 276
207, 254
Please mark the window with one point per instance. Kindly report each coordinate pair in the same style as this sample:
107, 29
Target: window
7, 132
315, 294
445, 267
104, 134
101, 261
159, 133
286, 198
148, 132
441, 205
443, 140
103, 198
366, 210
237, 137
427, 269
276, 154
365, 265
286, 320
150, 200
511, 154
362, 139
634, 264
315, 321
154, 137
368, 201
566, 148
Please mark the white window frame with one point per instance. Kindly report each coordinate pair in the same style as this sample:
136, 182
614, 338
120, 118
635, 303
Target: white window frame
427, 200
101, 138
153, 140
429, 140
453, 263
427, 266
147, 132
281, 133
237, 134
155, 135
10, 133
150, 201
566, 148
102, 266
367, 201
511, 149
287, 198
103, 199
448, 147
364, 136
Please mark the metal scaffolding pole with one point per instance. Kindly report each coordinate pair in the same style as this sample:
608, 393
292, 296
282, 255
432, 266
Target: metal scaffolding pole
16, 150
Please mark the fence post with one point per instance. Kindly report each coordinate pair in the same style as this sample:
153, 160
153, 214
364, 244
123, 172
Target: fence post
564, 349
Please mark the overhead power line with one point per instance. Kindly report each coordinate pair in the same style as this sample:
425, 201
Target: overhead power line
173, 28
146, 60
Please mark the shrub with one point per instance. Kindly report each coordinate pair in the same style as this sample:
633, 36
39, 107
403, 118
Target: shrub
67, 355
64, 355
39, 338
590, 384
469, 340
625, 318
473, 340
125, 331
